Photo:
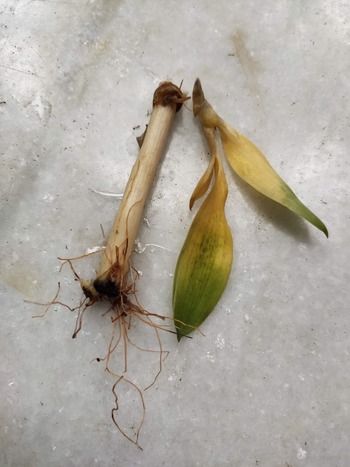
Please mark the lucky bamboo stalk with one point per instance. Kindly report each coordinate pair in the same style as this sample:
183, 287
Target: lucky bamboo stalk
111, 278
114, 281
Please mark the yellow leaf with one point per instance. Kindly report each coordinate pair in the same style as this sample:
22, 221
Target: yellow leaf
203, 184
249, 162
252, 166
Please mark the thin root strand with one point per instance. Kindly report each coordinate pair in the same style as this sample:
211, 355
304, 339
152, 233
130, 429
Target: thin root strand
116, 408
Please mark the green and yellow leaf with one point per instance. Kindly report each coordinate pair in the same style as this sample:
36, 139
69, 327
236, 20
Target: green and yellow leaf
205, 260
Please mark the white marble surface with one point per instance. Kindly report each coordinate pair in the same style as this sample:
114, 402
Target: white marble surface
268, 385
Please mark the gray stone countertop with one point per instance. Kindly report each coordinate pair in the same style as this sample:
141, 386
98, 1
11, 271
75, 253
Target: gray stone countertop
268, 384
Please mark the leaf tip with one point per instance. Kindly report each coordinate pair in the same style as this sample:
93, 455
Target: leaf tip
325, 230
178, 335
320, 225
198, 98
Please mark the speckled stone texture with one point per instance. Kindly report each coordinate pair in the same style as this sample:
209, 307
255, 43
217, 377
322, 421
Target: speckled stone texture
268, 383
